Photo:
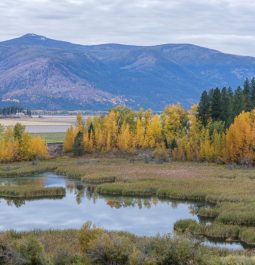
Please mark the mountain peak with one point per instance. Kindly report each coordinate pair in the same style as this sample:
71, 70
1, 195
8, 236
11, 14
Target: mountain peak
33, 36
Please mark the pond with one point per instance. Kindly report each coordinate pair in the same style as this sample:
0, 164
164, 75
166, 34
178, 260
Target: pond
144, 217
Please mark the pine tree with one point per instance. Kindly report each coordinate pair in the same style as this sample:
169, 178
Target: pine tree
246, 95
238, 103
216, 105
226, 110
204, 108
78, 146
252, 92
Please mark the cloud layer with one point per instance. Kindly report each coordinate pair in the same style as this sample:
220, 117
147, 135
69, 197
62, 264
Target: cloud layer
226, 25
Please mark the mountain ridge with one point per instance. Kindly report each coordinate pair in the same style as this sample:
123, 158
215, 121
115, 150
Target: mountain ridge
39, 72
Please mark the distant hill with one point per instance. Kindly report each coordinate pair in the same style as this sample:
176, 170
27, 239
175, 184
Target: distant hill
38, 72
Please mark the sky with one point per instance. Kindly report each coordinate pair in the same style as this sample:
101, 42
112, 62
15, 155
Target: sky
225, 25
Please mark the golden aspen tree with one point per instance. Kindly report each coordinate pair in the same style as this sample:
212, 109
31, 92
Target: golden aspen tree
125, 138
39, 148
153, 134
111, 130
239, 139
139, 134
69, 139
79, 122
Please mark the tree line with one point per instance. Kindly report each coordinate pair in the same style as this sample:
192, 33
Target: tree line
12, 110
225, 104
176, 132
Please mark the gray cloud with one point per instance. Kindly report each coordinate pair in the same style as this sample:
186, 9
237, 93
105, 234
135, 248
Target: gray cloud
227, 25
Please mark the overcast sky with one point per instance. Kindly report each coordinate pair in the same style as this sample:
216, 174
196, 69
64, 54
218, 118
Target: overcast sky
226, 25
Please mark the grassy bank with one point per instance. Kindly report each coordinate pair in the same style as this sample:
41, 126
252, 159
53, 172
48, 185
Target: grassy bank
30, 192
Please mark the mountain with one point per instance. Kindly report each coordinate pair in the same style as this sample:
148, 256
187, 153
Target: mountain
38, 72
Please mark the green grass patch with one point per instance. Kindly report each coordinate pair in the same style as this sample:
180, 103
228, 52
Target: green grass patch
51, 138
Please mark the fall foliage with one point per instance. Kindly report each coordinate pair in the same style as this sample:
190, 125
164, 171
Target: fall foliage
179, 132
17, 145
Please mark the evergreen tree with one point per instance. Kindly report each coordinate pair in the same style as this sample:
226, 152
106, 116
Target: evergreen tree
226, 108
216, 105
204, 108
252, 93
78, 146
246, 95
239, 103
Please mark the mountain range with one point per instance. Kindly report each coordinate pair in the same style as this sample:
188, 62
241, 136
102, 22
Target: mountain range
41, 73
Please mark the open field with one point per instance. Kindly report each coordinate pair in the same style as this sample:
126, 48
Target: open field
57, 137
42, 124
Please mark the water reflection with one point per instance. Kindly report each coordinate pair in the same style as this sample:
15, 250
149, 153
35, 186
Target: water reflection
141, 216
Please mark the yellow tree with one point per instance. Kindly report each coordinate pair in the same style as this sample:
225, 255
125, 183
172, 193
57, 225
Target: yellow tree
239, 139
38, 148
139, 134
111, 130
153, 134
174, 122
79, 122
69, 139
125, 138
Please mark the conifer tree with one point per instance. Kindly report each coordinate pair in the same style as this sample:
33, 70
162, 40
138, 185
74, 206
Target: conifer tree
204, 111
216, 105
78, 146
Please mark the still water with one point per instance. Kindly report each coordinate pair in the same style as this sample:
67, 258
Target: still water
136, 215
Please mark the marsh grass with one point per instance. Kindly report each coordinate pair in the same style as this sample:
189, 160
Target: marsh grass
230, 192
30, 192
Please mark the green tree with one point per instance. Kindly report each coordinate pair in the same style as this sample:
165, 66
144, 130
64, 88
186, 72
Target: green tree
78, 146
204, 108
246, 95
239, 103
216, 105
19, 130
252, 99
227, 105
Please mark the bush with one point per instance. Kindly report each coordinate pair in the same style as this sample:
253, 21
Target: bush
9, 255
63, 257
33, 251
160, 154
108, 249
173, 251
88, 233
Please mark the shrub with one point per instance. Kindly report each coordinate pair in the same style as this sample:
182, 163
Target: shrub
63, 257
33, 251
88, 233
108, 249
160, 154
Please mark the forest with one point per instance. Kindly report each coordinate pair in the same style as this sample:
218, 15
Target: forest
12, 110
218, 129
